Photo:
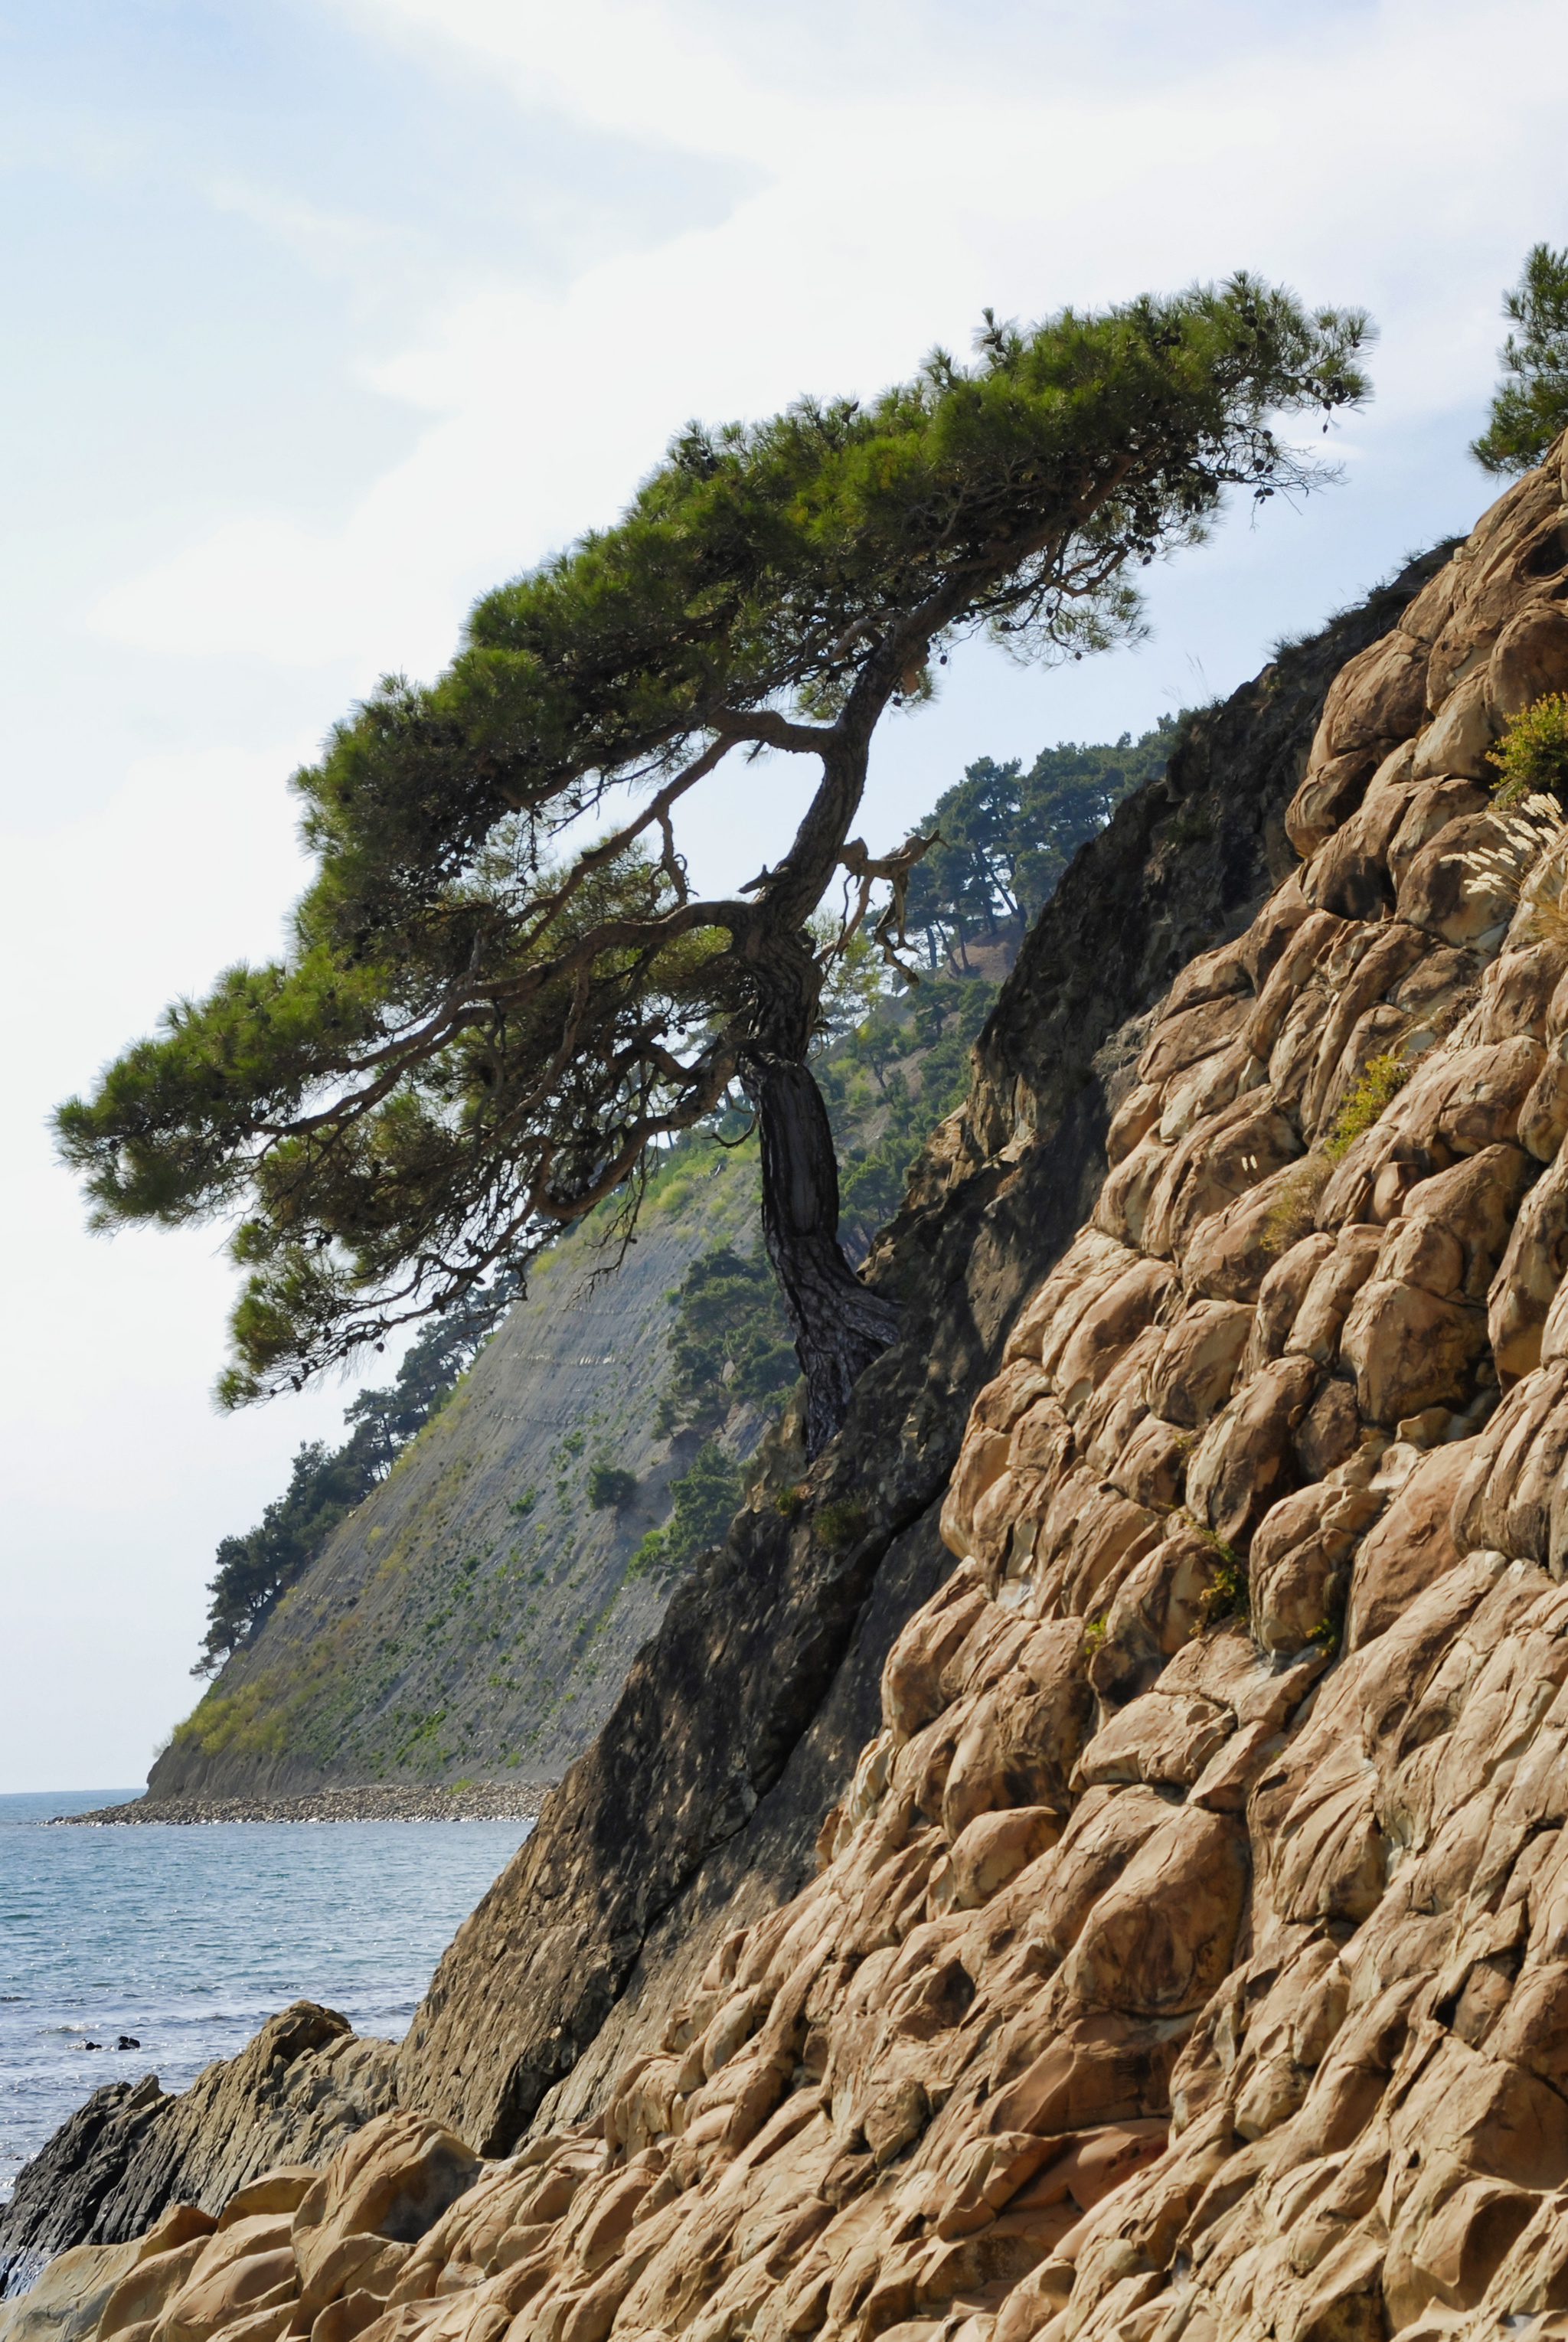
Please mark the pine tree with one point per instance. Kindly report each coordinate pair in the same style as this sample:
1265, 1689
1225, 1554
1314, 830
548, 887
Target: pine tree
484, 1026
1530, 406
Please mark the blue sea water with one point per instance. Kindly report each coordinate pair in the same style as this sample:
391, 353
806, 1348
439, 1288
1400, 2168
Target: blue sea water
188, 1938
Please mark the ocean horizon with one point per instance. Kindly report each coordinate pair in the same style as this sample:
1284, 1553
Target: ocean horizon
184, 1940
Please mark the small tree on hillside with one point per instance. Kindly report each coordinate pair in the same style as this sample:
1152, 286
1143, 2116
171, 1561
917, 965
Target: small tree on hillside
1530, 405
483, 1025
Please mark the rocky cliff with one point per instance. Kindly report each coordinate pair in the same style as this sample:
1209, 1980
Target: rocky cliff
1085, 1861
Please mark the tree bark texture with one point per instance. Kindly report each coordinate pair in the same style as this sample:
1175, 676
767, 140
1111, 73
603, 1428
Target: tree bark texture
839, 1326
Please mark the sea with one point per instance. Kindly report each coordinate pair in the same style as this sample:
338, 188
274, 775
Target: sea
185, 1938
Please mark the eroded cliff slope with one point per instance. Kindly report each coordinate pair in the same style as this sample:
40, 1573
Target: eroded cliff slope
473, 1617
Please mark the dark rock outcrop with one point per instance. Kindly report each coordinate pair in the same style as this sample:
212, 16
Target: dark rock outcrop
302, 2086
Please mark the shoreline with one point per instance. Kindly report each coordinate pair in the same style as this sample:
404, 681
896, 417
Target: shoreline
478, 1801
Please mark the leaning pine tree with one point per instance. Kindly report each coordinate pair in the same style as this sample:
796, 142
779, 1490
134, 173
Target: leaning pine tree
484, 1026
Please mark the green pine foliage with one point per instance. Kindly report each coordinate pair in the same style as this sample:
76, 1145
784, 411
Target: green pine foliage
888, 1085
1006, 836
610, 1488
1530, 405
704, 1500
890, 1069
480, 1030
729, 1344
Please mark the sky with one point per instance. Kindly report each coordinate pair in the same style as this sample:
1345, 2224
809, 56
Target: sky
323, 315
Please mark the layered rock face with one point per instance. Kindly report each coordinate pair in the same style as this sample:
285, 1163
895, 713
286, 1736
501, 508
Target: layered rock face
1186, 1953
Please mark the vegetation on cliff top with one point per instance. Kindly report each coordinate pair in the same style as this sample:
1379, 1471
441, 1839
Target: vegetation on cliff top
473, 1041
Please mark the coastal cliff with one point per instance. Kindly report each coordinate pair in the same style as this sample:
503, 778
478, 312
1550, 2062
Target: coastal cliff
1085, 1860
475, 1616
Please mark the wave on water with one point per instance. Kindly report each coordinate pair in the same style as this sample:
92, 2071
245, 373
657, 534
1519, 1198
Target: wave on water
179, 1942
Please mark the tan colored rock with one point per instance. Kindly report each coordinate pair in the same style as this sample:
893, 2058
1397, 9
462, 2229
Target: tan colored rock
1473, 1204
240, 2286
1430, 808
1158, 1942
1459, 1102
1362, 1005
342, 2320
1122, 1206
1299, 1567
1197, 1362
1331, 792
1518, 989
1304, 948
1107, 1328
1380, 695
1245, 1460
1217, 1163
1482, 1106
66, 2301
1209, 1087
1091, 1262
992, 1849
1150, 1469
146, 2290
1331, 1432
1161, 1738
1422, 1251
1531, 1271
388, 2185
1281, 1294
1425, 619
1021, 1742
1544, 1117
282, 2189
1443, 891
1101, 2068
912, 1692
1436, 994
1349, 875
1513, 556
1509, 1498
1100, 1437
981, 1462
1529, 659
1132, 1120
1157, 1606
1179, 1041
1408, 1549
1408, 1350
1325, 1304
1458, 742
1228, 1256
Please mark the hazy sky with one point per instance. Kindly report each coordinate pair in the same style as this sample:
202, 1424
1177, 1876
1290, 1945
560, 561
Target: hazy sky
324, 315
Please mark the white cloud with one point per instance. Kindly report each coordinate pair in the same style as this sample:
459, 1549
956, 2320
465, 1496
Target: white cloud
1349, 165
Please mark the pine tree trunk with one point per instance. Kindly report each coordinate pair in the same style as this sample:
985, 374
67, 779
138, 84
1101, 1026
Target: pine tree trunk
839, 1326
